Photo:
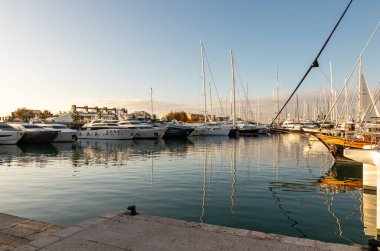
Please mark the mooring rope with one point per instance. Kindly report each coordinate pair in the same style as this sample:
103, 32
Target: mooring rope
314, 64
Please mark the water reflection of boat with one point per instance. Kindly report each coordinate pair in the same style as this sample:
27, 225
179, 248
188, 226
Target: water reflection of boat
209, 140
105, 144
177, 147
104, 152
64, 146
39, 149
369, 213
177, 143
342, 177
148, 146
8, 152
40, 154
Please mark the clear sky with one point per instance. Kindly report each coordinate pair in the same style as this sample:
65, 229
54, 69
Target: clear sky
56, 53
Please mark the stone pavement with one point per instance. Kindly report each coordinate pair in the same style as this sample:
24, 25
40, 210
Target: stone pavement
16, 231
119, 231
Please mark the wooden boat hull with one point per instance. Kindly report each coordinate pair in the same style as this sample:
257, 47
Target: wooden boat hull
336, 145
341, 141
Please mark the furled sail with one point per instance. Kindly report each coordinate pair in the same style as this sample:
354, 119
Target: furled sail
365, 98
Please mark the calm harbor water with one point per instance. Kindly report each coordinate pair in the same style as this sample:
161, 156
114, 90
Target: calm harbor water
281, 184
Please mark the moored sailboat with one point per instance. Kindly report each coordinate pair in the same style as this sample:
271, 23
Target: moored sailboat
208, 128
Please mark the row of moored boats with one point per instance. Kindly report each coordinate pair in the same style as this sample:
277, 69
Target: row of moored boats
39, 133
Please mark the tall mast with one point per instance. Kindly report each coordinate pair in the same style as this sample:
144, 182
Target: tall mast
233, 90
204, 80
332, 94
211, 111
258, 109
345, 108
151, 100
297, 111
361, 106
247, 105
277, 94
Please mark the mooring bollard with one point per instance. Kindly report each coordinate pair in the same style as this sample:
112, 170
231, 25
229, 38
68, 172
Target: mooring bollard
373, 244
132, 209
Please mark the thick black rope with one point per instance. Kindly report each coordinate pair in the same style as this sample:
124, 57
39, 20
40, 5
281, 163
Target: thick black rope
314, 64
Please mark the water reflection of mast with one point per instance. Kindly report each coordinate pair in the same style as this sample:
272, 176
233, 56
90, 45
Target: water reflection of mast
258, 154
275, 188
298, 154
204, 187
276, 158
151, 170
329, 203
233, 184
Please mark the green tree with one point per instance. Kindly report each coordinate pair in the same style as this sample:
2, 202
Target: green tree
22, 114
45, 114
75, 116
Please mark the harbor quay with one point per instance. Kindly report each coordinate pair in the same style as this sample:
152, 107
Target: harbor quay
120, 230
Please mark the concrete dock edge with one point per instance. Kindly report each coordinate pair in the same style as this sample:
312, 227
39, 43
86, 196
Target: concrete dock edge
120, 231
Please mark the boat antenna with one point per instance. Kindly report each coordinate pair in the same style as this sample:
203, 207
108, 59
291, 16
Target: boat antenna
314, 64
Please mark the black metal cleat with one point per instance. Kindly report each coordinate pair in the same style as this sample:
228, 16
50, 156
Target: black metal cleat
132, 210
373, 244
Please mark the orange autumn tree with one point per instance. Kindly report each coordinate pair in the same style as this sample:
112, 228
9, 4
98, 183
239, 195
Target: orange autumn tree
24, 114
180, 116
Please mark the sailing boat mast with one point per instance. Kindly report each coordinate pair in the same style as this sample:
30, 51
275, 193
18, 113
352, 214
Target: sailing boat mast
211, 110
204, 80
297, 111
277, 104
247, 106
233, 90
151, 100
333, 113
258, 109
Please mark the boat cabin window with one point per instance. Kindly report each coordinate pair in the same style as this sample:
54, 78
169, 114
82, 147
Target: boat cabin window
59, 127
30, 126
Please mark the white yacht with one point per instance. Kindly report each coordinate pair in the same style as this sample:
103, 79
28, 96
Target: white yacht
143, 130
104, 130
210, 129
366, 156
291, 125
252, 127
65, 134
33, 134
9, 135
